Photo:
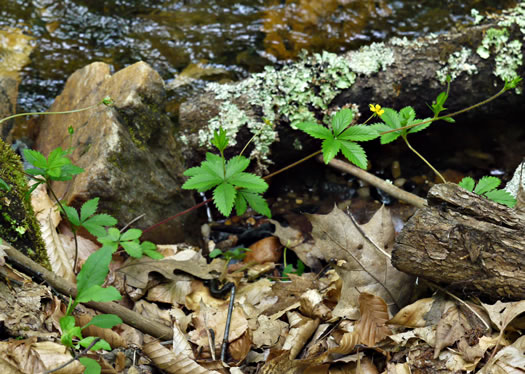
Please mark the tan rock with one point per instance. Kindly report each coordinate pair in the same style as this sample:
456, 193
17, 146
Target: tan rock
15, 48
129, 152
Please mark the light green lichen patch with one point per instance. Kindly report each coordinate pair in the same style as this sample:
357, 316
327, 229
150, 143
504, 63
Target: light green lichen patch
371, 59
290, 93
495, 40
508, 61
508, 54
477, 17
457, 63
514, 16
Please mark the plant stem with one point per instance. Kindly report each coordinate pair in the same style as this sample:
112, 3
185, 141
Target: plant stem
502, 91
72, 226
424, 160
293, 165
47, 113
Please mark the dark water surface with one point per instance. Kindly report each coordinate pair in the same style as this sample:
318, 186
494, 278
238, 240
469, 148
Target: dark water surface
237, 36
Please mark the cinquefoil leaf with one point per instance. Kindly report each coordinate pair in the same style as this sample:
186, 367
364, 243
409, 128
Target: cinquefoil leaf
330, 149
359, 133
487, 184
224, 197
354, 153
249, 181
236, 165
315, 130
341, 120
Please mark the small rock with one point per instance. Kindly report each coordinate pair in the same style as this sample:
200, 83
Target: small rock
396, 169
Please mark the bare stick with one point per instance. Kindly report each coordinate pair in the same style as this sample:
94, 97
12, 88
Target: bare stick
65, 287
389, 188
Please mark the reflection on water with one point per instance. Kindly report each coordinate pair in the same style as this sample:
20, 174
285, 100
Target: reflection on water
237, 35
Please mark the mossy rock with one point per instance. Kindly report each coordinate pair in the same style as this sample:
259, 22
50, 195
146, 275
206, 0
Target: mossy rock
18, 224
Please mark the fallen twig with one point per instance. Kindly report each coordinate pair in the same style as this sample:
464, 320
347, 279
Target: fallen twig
389, 188
129, 317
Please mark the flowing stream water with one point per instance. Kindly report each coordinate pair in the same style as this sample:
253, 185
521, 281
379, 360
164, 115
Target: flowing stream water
234, 37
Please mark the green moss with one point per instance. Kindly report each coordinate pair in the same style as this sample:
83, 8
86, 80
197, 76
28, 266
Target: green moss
18, 225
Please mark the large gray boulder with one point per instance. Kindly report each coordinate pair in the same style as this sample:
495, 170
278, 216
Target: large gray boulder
130, 154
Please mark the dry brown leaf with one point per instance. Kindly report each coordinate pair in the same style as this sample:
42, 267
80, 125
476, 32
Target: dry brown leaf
181, 346
413, 315
283, 364
21, 309
201, 294
371, 326
215, 318
502, 314
427, 334
170, 362
452, 327
301, 330
28, 356
113, 338
392, 368
361, 266
269, 332
153, 312
347, 343
509, 360
173, 292
293, 239
240, 347
312, 305
137, 270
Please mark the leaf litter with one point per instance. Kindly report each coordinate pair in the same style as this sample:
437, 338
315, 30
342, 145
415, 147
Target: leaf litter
352, 315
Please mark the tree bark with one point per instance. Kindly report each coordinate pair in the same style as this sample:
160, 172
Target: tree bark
467, 242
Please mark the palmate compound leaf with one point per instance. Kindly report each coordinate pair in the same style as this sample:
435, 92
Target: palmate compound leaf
35, 158
72, 215
224, 197
95, 224
391, 118
201, 180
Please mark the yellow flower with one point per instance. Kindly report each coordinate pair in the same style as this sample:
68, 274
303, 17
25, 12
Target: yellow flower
376, 109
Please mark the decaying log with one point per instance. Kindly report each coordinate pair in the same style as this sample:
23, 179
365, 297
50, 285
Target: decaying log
466, 242
409, 76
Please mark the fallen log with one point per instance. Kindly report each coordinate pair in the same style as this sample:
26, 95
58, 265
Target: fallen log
466, 243
396, 73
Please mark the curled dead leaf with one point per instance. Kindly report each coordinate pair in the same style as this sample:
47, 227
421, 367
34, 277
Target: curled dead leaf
371, 326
